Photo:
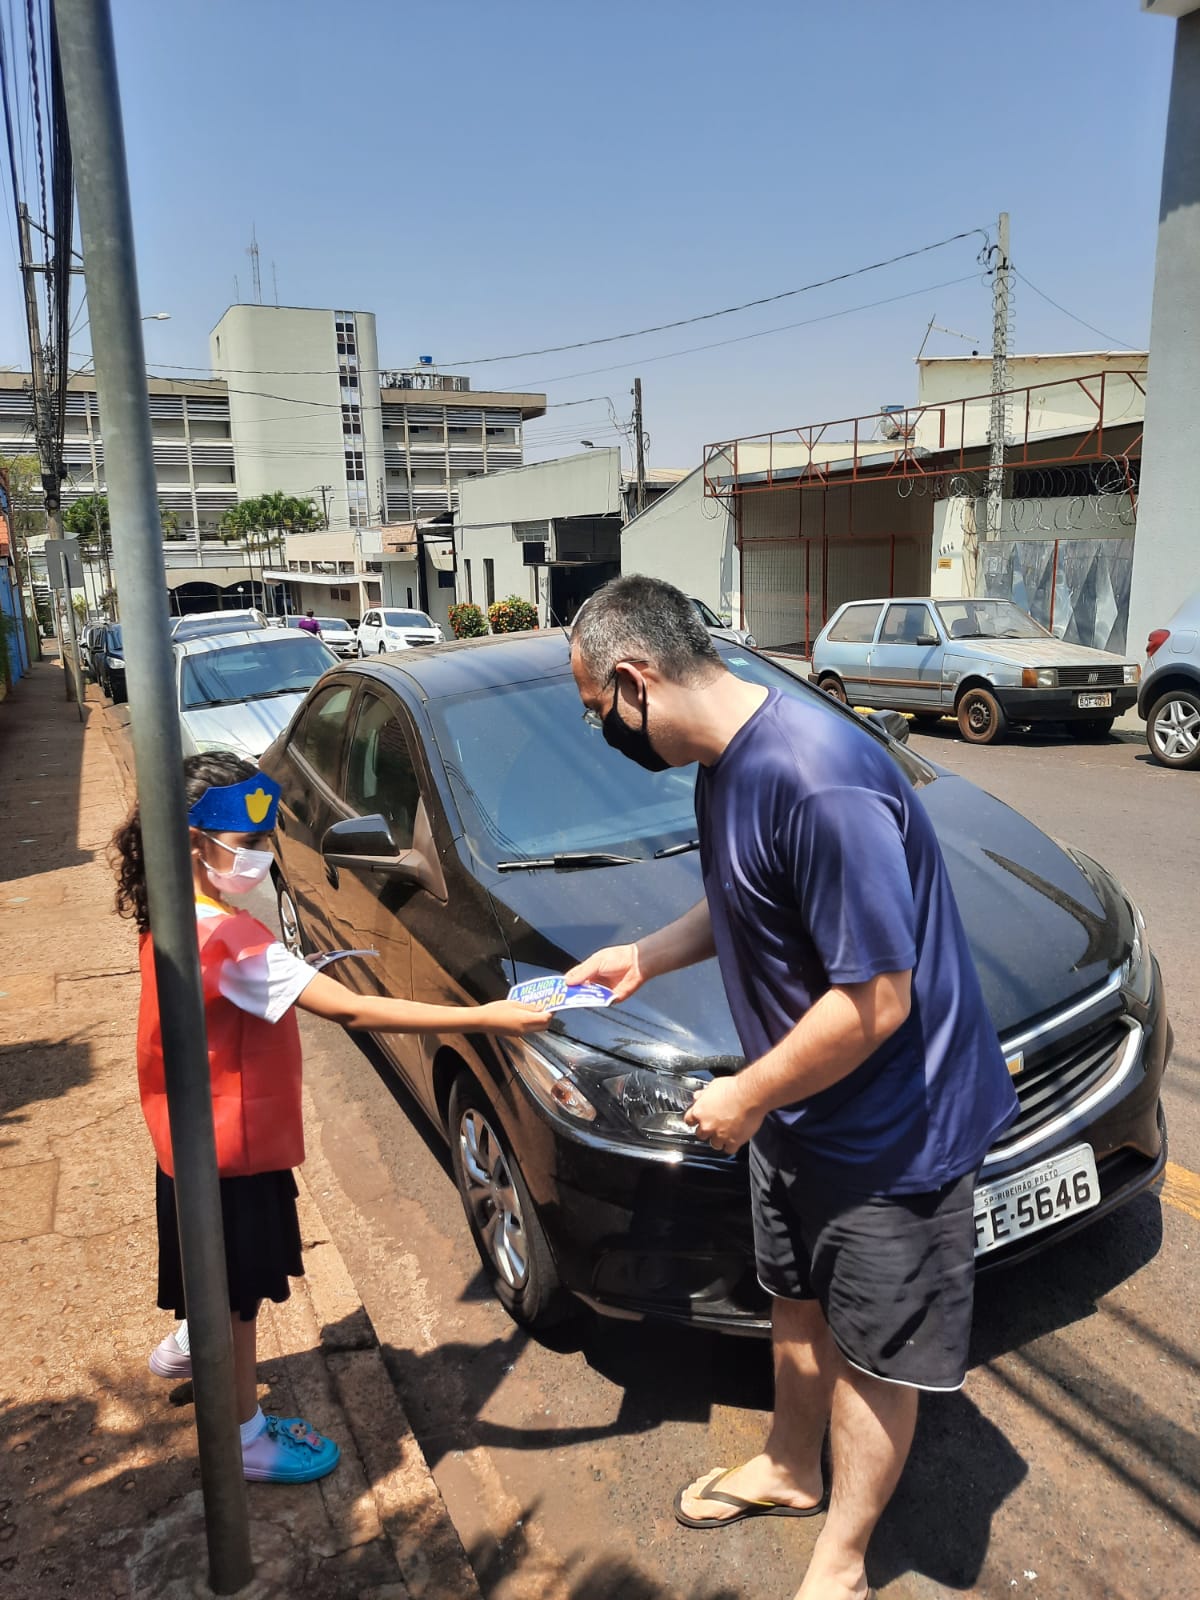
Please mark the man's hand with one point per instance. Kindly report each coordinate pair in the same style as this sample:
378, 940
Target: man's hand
618, 968
721, 1115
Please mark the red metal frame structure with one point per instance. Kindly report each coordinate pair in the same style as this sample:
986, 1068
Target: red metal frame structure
870, 457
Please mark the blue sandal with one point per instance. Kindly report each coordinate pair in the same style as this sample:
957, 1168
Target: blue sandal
289, 1451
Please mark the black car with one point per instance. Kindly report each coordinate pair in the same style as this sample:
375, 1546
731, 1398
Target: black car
108, 662
451, 809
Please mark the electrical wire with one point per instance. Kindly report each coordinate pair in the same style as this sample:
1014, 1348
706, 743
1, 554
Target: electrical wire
1091, 326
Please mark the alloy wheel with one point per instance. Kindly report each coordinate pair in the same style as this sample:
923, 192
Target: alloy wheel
492, 1198
1177, 729
289, 924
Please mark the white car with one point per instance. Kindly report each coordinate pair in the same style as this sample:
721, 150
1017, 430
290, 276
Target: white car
238, 691
391, 629
336, 632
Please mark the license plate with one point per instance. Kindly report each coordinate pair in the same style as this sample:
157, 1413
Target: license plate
1031, 1200
1094, 702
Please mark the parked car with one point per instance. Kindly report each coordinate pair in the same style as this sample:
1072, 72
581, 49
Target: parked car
984, 662
107, 658
89, 638
717, 625
452, 811
197, 623
390, 629
237, 690
336, 632
1169, 697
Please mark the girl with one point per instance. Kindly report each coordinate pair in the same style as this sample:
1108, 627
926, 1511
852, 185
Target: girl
252, 986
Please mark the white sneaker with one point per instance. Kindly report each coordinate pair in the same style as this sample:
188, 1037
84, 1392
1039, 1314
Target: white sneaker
167, 1360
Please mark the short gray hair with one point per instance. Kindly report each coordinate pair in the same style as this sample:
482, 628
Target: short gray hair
636, 618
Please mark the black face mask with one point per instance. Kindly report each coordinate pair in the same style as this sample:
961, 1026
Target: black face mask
632, 742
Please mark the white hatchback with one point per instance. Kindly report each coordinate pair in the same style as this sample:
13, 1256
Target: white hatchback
389, 629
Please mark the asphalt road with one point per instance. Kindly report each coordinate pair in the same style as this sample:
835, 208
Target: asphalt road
1068, 1466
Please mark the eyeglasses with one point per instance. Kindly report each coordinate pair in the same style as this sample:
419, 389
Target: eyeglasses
595, 719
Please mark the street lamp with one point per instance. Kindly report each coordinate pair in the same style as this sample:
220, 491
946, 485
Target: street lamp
158, 316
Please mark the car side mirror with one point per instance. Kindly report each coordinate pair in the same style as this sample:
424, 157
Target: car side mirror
892, 723
368, 842
928, 639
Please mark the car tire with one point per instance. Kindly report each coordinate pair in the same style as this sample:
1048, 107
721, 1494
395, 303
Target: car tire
291, 929
510, 1239
361, 652
1173, 729
926, 721
382, 651
981, 718
1091, 729
118, 695
834, 688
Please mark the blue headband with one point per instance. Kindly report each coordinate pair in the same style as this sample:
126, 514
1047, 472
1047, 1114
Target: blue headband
247, 807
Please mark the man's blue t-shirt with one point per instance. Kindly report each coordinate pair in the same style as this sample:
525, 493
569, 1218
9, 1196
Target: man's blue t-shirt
821, 867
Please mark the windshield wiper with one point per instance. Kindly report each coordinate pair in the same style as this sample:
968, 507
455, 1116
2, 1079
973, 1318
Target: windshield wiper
676, 849
207, 705
270, 694
566, 859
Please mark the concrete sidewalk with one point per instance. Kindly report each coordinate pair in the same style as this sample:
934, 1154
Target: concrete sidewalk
98, 1476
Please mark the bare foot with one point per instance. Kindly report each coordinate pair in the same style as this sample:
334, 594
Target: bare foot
761, 1478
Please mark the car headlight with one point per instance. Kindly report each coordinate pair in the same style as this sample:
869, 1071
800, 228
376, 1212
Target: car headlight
1137, 974
751, 642
1131, 672
1039, 678
594, 1090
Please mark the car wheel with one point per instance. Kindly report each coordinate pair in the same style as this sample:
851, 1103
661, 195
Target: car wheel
501, 1214
1173, 729
118, 694
1091, 728
291, 929
927, 721
360, 650
834, 688
981, 718
382, 648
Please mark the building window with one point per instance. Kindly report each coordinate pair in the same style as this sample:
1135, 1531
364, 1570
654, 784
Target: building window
470, 585
489, 580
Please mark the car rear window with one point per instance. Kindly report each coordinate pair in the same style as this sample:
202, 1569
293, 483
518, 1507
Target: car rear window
856, 625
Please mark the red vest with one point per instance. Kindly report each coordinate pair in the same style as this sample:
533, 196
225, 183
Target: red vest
254, 1065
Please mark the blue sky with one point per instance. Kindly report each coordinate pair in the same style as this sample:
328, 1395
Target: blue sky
496, 178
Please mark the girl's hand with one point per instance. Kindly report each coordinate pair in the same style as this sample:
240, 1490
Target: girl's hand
509, 1016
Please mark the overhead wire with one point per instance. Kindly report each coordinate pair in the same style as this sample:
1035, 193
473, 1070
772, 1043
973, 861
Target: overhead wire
1083, 323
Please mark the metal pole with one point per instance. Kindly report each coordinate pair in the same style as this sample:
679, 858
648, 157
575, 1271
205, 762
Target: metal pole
641, 444
94, 113
998, 418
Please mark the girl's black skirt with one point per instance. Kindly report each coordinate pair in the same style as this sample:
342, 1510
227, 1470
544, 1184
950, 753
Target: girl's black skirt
262, 1241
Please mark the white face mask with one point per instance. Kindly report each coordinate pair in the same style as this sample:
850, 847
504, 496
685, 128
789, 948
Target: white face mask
249, 869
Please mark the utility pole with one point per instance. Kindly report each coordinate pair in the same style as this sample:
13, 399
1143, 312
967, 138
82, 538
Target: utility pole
641, 444
323, 489
998, 418
89, 75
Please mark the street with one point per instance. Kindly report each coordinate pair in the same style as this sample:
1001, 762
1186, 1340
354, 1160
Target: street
1068, 1466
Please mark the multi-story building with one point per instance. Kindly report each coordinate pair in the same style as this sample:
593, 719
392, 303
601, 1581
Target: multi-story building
297, 403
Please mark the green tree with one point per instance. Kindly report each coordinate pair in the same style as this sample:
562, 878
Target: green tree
261, 524
26, 518
87, 519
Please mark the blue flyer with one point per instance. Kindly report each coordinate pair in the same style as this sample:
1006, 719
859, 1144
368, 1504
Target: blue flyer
556, 994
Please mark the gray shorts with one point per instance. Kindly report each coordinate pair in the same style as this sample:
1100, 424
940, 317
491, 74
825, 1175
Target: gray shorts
894, 1274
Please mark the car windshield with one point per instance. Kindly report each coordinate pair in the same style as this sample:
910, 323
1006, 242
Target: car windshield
708, 616
406, 619
241, 672
334, 625
988, 619
533, 780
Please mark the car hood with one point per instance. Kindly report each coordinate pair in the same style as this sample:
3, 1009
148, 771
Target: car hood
248, 727
1036, 652
1044, 927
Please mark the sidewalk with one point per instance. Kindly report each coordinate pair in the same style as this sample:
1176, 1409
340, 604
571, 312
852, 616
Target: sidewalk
98, 1478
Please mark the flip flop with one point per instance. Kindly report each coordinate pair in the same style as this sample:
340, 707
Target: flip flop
745, 1509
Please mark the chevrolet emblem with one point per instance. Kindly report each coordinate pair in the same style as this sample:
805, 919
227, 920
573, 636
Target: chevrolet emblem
1015, 1063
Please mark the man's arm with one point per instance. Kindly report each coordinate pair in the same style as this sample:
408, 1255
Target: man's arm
623, 968
846, 1025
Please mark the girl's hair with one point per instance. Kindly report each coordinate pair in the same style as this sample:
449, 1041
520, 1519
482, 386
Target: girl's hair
200, 773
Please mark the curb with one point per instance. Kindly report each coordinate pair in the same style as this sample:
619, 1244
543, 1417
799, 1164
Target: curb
406, 1500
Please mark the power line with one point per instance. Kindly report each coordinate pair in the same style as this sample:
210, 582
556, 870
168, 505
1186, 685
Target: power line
1091, 326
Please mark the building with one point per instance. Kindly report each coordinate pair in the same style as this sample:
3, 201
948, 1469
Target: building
298, 403
549, 532
780, 529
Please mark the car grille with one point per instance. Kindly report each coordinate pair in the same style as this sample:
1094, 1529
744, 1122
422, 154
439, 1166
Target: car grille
1052, 1084
1091, 677
417, 638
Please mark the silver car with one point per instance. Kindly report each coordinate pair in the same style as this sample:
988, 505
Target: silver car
721, 628
237, 691
1169, 698
984, 662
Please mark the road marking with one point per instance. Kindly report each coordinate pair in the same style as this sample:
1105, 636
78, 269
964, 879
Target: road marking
1181, 1189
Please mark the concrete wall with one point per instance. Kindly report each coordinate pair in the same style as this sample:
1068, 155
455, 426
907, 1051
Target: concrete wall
1058, 404
287, 423
688, 540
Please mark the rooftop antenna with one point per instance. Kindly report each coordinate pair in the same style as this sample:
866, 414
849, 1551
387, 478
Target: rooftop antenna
274, 284
255, 274
936, 327
237, 290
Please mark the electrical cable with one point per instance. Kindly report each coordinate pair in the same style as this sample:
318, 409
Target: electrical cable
1091, 326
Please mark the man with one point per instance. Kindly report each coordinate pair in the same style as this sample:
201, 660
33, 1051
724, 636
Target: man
874, 1082
310, 624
